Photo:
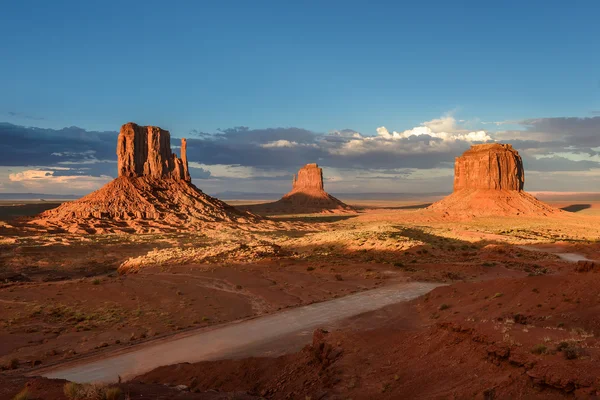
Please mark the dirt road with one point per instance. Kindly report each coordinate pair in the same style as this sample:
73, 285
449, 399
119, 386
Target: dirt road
286, 331
570, 257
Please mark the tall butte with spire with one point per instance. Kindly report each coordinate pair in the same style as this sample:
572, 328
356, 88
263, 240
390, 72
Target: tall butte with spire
308, 196
489, 180
153, 192
146, 151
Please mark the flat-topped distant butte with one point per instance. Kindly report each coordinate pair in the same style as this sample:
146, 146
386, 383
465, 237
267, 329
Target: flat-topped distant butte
308, 196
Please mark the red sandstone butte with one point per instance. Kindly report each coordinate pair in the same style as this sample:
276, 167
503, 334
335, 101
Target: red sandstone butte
488, 181
153, 192
489, 166
146, 151
310, 177
307, 196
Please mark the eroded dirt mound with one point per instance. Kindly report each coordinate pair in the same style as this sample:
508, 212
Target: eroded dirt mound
141, 204
307, 196
481, 202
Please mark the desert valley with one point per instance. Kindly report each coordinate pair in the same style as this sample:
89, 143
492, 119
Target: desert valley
150, 288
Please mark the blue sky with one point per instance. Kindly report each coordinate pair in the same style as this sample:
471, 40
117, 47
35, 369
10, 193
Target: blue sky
319, 66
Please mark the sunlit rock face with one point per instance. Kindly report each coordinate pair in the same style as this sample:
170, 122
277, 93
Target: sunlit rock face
309, 177
146, 151
488, 182
489, 166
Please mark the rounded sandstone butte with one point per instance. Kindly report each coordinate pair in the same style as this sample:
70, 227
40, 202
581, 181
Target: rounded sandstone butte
489, 166
146, 151
309, 177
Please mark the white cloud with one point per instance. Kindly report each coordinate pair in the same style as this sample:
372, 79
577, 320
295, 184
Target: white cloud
443, 128
285, 143
438, 135
234, 171
45, 181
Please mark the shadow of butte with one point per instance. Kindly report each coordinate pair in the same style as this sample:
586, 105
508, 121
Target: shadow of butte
576, 207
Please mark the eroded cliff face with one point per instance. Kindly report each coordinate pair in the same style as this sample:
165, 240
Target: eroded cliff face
146, 151
153, 193
310, 177
489, 181
489, 166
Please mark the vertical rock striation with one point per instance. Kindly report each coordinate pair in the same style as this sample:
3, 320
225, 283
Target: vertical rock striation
153, 192
489, 181
146, 151
489, 166
310, 177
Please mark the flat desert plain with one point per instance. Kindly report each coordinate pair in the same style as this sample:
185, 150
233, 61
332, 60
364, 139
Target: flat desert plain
513, 314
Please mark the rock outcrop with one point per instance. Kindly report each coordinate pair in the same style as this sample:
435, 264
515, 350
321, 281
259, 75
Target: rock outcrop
146, 151
308, 196
153, 192
488, 181
489, 166
310, 177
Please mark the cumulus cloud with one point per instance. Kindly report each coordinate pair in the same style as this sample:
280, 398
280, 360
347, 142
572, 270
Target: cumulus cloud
285, 143
52, 182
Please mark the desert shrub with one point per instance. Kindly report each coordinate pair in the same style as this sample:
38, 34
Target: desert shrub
520, 319
310, 269
72, 390
444, 307
562, 345
22, 395
571, 353
569, 350
398, 265
13, 364
96, 281
77, 391
112, 393
539, 349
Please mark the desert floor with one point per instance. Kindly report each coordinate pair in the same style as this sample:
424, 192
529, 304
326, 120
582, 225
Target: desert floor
513, 321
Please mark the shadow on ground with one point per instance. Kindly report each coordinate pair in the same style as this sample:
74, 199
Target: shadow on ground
576, 207
9, 213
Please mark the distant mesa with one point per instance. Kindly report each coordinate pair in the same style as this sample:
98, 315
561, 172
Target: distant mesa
153, 192
308, 196
488, 181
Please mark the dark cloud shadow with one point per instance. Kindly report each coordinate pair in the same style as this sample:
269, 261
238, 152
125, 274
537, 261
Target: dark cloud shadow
576, 207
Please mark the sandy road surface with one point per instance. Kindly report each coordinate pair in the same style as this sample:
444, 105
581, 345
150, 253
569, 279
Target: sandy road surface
291, 328
570, 257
